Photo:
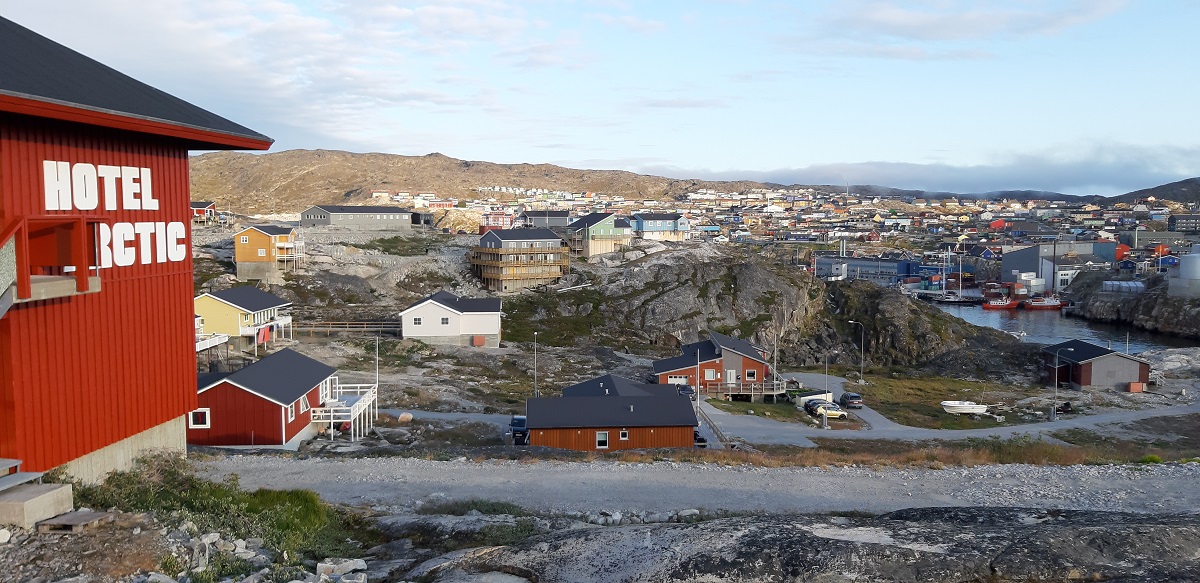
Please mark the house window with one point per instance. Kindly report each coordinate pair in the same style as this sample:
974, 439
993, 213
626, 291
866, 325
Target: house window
624, 435
601, 440
291, 412
751, 375
199, 419
245, 239
262, 252
710, 374
445, 321
416, 321
303, 404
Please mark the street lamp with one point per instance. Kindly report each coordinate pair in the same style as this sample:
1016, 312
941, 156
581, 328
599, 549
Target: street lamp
862, 352
1054, 405
535, 387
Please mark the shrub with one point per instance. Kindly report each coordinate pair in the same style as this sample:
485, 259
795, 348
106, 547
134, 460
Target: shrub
1150, 459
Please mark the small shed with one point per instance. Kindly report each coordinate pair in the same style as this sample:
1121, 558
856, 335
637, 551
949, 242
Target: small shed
1083, 365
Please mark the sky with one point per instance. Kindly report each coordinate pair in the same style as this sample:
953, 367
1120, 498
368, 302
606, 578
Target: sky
1071, 96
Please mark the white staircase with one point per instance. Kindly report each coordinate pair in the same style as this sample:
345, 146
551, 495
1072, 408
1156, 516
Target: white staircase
12, 476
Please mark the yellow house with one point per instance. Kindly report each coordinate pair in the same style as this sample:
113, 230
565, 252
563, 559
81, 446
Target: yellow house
248, 315
260, 251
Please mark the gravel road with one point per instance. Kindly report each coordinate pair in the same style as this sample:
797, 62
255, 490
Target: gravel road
665, 486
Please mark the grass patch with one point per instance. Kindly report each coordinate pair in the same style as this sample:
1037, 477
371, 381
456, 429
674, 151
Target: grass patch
292, 520
544, 313
916, 401
778, 411
1166, 439
462, 507
401, 246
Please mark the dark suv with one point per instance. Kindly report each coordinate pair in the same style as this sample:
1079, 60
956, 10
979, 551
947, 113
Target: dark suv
519, 430
851, 400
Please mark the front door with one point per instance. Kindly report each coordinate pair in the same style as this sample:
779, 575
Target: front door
731, 377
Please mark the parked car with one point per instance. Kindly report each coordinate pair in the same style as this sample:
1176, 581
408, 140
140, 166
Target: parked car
811, 405
832, 411
519, 430
700, 440
687, 391
851, 400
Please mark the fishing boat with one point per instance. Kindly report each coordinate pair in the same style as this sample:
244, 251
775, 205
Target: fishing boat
964, 407
1043, 303
1001, 304
951, 297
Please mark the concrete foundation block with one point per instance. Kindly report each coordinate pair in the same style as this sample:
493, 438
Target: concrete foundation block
28, 504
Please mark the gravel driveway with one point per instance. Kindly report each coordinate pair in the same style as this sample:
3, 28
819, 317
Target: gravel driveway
664, 486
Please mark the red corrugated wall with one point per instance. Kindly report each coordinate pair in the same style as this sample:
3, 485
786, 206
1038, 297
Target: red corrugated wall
238, 417
81, 373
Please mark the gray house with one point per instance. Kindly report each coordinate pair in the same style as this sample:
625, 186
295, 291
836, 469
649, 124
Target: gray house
1084, 365
545, 219
366, 218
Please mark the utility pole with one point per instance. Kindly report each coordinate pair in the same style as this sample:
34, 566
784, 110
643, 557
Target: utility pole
535, 379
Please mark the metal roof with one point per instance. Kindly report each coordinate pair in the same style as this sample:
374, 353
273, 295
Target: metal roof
60, 81
736, 345
524, 234
1082, 352
658, 216
459, 304
707, 352
615, 386
547, 214
272, 229
249, 298
618, 411
343, 209
202, 204
282, 377
588, 220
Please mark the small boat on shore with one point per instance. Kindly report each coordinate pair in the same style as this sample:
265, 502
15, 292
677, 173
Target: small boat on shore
1001, 304
964, 407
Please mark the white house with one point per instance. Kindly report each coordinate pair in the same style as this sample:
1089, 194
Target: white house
444, 318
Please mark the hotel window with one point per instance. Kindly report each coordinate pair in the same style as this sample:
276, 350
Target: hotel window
445, 321
601, 440
199, 419
416, 321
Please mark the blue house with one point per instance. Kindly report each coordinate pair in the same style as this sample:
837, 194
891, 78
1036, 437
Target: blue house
661, 226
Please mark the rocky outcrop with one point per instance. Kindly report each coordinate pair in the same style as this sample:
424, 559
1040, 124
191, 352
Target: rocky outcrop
925, 544
1151, 310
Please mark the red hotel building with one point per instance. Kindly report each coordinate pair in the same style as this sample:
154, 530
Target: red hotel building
97, 338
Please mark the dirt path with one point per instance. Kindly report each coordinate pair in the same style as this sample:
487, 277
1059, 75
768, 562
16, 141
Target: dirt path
666, 486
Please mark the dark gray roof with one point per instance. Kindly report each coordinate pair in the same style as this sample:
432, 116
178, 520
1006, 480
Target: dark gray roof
460, 304
672, 411
250, 298
687, 358
588, 220
658, 216
273, 229
547, 214
343, 209
621, 223
524, 234
618, 387
1083, 352
282, 377
202, 204
735, 344
39, 69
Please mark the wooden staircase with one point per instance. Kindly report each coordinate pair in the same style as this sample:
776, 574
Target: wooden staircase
11, 475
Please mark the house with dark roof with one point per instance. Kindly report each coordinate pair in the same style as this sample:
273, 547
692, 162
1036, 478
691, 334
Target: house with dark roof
279, 401
1083, 365
596, 234
248, 315
508, 260
612, 413
661, 226
532, 219
204, 211
359, 218
265, 252
723, 366
444, 318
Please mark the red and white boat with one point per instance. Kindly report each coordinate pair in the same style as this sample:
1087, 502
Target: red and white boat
1044, 303
1001, 304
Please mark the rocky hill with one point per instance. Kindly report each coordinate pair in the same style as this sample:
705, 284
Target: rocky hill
290, 181
1151, 310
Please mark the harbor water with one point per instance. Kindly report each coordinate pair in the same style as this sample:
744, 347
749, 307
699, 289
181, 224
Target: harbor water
1051, 327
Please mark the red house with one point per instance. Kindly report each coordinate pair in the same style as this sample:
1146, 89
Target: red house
97, 331
277, 401
727, 366
204, 211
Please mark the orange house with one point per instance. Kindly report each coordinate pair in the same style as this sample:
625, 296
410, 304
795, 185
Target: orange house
726, 366
265, 251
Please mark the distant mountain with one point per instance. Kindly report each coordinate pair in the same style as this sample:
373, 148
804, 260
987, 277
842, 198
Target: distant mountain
290, 181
